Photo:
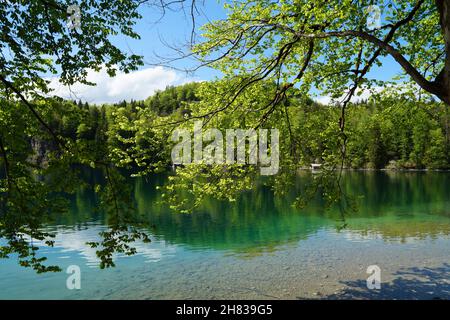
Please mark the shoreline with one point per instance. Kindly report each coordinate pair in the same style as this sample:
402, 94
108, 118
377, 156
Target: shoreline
380, 170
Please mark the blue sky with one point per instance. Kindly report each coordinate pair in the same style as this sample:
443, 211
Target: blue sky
174, 28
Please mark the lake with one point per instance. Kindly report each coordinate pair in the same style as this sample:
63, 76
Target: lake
259, 247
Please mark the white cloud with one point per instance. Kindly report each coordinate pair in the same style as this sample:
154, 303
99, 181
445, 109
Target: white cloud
68, 241
325, 100
137, 85
360, 94
364, 94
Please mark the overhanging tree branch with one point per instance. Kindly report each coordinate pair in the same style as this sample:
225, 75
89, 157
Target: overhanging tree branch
32, 109
429, 86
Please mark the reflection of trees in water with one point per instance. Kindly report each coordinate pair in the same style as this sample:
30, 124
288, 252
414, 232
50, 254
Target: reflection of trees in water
258, 221
394, 230
395, 206
401, 191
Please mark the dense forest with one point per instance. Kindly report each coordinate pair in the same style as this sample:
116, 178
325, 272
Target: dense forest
392, 133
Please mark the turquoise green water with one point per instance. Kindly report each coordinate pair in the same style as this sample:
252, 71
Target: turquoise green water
260, 247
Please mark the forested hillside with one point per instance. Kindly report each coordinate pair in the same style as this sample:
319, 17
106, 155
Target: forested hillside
389, 133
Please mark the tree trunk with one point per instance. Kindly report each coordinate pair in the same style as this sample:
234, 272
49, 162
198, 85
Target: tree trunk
443, 79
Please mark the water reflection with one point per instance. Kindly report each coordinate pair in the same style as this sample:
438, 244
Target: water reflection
256, 248
394, 206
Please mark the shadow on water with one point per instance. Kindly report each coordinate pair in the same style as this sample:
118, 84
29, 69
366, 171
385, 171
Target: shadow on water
410, 284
